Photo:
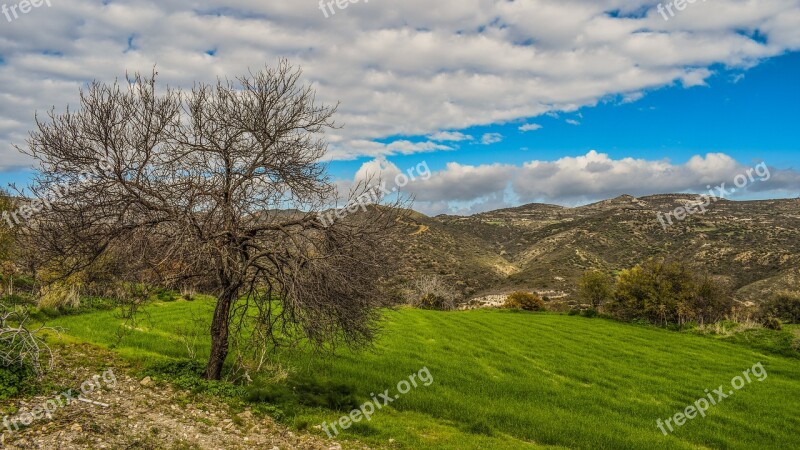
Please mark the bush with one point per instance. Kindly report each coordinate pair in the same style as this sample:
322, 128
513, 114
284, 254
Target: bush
430, 292
166, 295
16, 380
525, 301
435, 302
595, 288
669, 293
188, 374
783, 305
574, 312
61, 295
590, 313
771, 323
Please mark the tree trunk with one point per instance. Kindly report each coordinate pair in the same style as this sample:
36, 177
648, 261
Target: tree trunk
219, 335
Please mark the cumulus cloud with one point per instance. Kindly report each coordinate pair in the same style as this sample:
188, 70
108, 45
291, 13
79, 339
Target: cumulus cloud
397, 67
491, 138
455, 136
460, 188
355, 148
530, 127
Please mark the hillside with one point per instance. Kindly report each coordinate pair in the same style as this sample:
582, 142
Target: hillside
755, 245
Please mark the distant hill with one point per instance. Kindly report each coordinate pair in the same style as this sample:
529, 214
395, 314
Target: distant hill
755, 245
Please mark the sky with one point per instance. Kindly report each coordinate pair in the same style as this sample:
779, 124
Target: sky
501, 102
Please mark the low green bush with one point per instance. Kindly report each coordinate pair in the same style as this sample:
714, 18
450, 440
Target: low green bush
16, 380
188, 374
772, 323
783, 305
525, 301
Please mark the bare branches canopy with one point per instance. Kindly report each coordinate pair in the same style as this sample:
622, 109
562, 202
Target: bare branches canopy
218, 189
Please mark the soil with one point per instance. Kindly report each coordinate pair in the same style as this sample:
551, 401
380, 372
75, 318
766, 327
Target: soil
138, 413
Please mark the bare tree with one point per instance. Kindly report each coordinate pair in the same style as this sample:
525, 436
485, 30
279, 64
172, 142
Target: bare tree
431, 292
215, 189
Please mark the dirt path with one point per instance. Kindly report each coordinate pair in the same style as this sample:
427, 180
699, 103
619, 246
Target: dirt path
142, 415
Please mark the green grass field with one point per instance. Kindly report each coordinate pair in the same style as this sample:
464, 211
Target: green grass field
506, 380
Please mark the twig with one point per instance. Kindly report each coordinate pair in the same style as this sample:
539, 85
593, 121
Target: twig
86, 400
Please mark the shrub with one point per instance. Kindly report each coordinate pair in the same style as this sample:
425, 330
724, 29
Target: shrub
61, 295
783, 305
591, 312
772, 323
436, 302
431, 292
574, 312
669, 293
711, 302
15, 380
595, 288
188, 374
525, 301
166, 295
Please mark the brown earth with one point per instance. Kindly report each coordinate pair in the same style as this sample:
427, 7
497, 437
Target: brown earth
142, 414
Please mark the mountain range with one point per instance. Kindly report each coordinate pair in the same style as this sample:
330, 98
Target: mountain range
753, 245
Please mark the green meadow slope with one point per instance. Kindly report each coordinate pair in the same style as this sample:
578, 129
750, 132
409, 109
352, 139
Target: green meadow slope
506, 380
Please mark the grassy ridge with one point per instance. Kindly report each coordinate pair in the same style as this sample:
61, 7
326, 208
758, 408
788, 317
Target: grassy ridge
517, 380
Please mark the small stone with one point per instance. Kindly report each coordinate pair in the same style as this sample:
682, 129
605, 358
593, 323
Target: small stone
145, 381
77, 428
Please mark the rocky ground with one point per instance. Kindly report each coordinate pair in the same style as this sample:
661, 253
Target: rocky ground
135, 413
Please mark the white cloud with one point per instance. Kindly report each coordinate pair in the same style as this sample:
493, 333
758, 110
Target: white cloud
399, 68
355, 148
530, 127
454, 136
460, 188
491, 138
572, 122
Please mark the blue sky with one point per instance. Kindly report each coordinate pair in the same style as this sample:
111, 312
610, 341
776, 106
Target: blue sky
616, 99
750, 115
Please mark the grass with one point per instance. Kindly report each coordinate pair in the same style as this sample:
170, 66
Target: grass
506, 380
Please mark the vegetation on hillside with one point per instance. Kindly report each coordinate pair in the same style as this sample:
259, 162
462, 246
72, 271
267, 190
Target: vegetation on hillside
669, 293
547, 247
526, 301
